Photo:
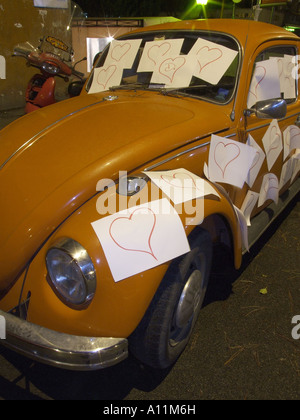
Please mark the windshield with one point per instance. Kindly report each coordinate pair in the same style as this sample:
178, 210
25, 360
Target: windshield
196, 63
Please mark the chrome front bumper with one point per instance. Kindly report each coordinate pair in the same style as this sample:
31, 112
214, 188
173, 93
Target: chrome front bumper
62, 350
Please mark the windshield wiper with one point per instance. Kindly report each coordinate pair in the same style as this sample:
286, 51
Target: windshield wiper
130, 86
166, 91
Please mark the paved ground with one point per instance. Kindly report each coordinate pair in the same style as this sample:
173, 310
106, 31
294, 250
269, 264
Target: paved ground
242, 347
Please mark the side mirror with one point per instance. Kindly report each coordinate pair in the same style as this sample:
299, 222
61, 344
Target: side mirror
271, 108
75, 88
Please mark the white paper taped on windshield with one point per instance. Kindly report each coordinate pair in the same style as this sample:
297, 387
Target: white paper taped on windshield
123, 53
212, 60
156, 51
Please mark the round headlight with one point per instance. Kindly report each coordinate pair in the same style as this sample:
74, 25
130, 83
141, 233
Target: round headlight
71, 272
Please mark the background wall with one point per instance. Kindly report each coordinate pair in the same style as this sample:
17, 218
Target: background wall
20, 21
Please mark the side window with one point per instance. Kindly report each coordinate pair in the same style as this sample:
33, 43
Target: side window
273, 76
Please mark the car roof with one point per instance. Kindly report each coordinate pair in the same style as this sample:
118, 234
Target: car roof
237, 27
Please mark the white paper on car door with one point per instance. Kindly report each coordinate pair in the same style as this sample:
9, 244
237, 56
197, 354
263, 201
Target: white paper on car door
249, 204
286, 173
296, 164
257, 162
141, 238
229, 161
291, 140
272, 142
269, 189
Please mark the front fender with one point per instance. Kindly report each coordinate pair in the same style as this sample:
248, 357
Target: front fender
117, 307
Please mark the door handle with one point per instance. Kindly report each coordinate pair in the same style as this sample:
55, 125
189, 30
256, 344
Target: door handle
297, 122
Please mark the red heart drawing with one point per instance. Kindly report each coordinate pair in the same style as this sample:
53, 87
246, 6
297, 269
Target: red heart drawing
259, 75
119, 51
210, 56
158, 51
170, 67
219, 152
133, 224
177, 182
105, 75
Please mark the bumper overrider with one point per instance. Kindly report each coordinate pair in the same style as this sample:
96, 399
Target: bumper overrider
60, 349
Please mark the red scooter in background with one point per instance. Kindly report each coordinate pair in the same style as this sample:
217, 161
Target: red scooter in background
54, 59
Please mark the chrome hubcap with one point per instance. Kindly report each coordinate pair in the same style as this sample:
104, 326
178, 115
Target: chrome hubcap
189, 300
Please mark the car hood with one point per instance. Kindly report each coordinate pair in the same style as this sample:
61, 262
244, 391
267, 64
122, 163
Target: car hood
52, 159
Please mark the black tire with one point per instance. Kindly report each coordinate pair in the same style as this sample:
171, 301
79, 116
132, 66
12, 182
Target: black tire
166, 327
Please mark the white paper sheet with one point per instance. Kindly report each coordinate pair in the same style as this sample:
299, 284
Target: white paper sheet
286, 173
140, 238
229, 161
257, 162
285, 69
291, 140
243, 227
175, 72
296, 165
123, 53
106, 77
269, 189
272, 142
265, 83
212, 59
248, 205
156, 51
181, 185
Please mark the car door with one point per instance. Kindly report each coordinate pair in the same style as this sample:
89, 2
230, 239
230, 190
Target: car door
271, 78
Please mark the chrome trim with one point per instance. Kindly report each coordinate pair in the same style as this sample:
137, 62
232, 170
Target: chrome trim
268, 123
81, 257
62, 350
36, 136
150, 168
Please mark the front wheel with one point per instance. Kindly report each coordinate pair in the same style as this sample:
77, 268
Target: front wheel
167, 325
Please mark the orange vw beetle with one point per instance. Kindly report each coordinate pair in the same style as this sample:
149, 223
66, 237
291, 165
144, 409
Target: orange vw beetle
185, 134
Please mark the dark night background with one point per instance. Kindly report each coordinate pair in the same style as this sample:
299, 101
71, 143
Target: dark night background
140, 8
